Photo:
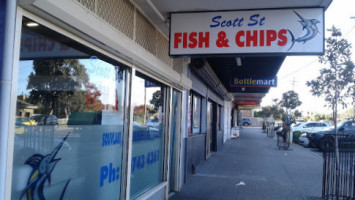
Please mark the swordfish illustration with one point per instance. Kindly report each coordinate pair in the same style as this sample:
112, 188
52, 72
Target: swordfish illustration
42, 167
311, 27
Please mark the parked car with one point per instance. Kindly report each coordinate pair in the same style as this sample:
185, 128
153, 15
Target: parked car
324, 138
246, 122
303, 139
298, 122
310, 127
40, 119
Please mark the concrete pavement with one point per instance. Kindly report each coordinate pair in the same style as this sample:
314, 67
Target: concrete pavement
252, 168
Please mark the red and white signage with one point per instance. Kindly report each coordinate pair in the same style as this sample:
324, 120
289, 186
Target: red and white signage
288, 31
247, 102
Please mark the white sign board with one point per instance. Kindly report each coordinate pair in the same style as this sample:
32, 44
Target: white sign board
286, 31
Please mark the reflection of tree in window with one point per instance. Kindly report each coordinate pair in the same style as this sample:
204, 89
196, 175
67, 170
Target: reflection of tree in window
143, 112
156, 101
58, 86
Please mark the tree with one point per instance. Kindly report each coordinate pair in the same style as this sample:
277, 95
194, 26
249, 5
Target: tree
297, 114
335, 80
55, 84
289, 101
274, 110
156, 101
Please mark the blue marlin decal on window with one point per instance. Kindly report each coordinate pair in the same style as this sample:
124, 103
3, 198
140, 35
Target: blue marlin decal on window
311, 28
42, 168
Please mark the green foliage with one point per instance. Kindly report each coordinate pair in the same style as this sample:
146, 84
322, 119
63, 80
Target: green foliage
156, 101
296, 137
267, 111
290, 100
336, 81
297, 114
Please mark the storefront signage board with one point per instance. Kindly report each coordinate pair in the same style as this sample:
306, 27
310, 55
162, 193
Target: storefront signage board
247, 102
277, 31
254, 82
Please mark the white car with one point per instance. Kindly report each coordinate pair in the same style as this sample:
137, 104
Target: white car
304, 141
310, 126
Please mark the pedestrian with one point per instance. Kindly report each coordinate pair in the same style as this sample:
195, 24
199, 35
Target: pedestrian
284, 131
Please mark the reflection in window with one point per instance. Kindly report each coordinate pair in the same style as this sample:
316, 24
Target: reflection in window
148, 149
196, 114
189, 116
69, 120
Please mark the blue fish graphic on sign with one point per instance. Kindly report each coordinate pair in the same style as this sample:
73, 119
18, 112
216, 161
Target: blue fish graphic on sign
311, 27
42, 168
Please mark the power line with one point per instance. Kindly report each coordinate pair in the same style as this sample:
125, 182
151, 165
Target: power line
299, 69
310, 64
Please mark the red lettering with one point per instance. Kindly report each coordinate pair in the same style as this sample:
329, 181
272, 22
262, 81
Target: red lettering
203, 39
184, 40
116, 103
193, 40
262, 38
282, 37
252, 38
238, 40
42, 44
271, 35
177, 40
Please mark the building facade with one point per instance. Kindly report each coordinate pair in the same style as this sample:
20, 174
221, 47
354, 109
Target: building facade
93, 106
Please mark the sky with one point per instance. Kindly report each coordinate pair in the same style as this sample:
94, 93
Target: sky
296, 70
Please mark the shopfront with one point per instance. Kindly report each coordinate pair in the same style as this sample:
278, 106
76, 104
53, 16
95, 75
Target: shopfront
86, 123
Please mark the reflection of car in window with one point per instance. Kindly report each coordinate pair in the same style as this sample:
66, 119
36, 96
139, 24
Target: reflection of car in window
153, 122
246, 122
21, 124
40, 119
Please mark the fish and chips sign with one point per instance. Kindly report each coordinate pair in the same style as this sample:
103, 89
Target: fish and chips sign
283, 31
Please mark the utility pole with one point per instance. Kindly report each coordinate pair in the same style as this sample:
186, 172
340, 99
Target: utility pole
293, 83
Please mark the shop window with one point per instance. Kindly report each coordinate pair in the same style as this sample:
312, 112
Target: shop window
69, 144
189, 115
148, 101
196, 114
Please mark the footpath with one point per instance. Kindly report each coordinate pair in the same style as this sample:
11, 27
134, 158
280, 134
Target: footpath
253, 168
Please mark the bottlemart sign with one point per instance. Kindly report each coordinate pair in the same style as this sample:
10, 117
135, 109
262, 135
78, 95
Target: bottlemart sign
286, 31
254, 82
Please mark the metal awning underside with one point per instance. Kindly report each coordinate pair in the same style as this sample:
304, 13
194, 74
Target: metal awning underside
158, 12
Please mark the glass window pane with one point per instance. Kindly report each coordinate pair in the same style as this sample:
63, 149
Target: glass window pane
189, 115
196, 114
148, 136
69, 120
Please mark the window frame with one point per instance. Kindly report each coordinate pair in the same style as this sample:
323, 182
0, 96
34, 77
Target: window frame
21, 13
